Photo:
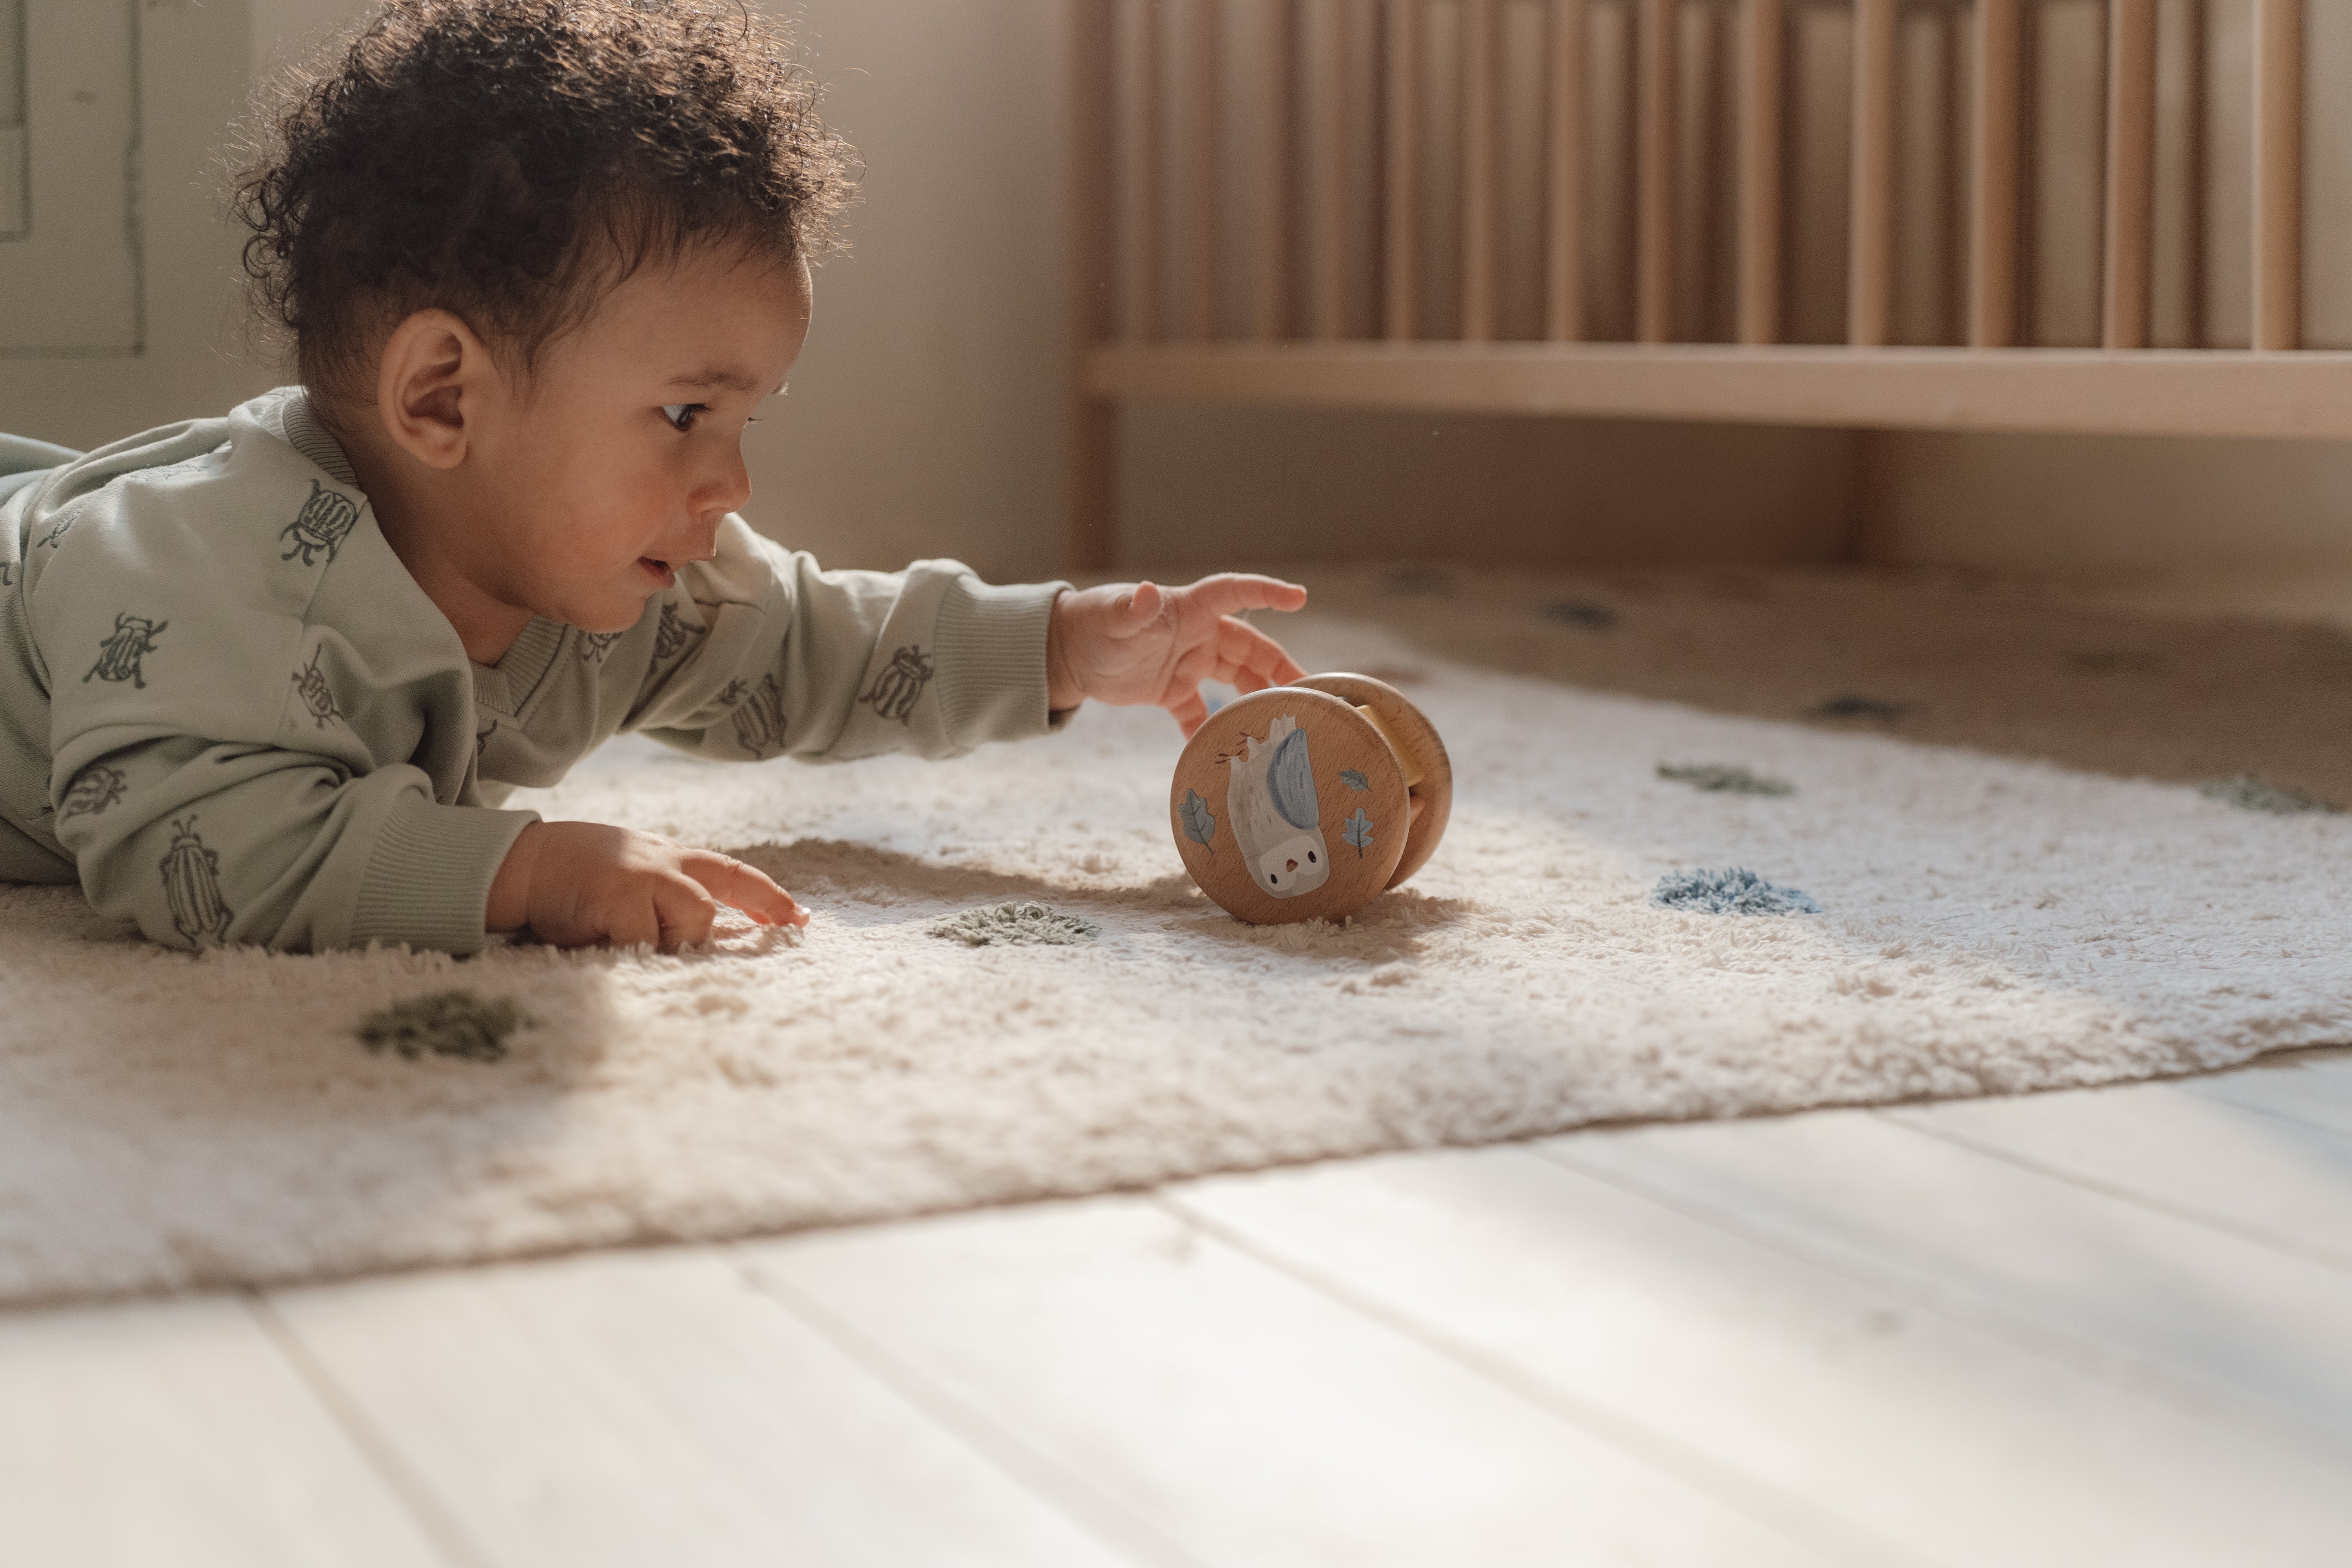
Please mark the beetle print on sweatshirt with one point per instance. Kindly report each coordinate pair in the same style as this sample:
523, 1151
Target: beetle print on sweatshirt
325, 521
671, 638
192, 883
119, 656
93, 790
759, 714
900, 687
318, 696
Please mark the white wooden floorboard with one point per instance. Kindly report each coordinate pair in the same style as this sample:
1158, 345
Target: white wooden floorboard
2313, 1087
2231, 1330
176, 1433
647, 1408
2278, 1180
1245, 1418
1889, 1424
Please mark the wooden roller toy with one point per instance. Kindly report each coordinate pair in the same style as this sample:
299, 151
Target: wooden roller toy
1306, 802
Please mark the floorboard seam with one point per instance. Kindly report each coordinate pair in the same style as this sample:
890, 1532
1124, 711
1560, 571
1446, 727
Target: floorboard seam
2128, 1372
2235, 1230
1759, 1500
1101, 1517
448, 1537
2214, 1096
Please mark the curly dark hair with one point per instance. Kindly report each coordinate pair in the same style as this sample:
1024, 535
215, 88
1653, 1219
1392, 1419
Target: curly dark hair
512, 159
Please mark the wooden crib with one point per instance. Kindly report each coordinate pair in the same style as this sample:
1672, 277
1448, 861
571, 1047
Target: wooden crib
1588, 207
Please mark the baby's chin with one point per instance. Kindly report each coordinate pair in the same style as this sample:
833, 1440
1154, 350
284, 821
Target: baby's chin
615, 609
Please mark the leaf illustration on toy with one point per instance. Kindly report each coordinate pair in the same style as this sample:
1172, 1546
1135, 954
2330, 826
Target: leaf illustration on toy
1354, 780
1357, 832
1199, 825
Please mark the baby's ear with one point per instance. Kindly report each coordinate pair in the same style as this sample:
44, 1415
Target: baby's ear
433, 368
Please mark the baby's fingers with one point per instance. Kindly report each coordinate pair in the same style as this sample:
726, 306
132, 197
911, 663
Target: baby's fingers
635, 920
1191, 710
747, 889
1228, 593
686, 913
1250, 660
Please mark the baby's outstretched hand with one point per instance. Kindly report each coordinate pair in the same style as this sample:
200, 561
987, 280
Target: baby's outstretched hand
1138, 642
576, 884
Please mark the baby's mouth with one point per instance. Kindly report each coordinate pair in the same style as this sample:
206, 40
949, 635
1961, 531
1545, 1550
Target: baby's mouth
659, 570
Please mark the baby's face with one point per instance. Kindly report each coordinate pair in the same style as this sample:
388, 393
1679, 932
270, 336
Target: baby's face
618, 462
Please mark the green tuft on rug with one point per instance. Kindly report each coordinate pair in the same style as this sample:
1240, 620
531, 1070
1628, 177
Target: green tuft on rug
1015, 925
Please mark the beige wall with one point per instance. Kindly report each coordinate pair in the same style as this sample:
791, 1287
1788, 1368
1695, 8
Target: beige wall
2035, 503
1207, 485
925, 418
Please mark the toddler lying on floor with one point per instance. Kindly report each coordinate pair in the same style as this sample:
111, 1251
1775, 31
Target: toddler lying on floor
266, 678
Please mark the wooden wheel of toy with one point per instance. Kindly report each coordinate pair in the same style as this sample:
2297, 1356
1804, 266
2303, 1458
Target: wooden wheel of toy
1289, 805
1421, 750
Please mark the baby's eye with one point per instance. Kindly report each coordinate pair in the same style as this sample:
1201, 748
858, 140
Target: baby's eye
682, 416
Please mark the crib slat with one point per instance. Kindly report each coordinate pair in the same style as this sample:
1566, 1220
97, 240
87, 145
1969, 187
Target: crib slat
1481, 149
1564, 153
1762, 91
1206, 113
1091, 491
1328, 184
2196, 138
1870, 272
1146, 154
1270, 259
2278, 174
1401, 268
1993, 225
1654, 232
2131, 170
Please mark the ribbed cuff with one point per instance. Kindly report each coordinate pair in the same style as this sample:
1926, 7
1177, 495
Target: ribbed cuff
991, 643
428, 882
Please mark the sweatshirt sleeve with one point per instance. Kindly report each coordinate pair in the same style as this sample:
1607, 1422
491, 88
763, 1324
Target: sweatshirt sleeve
760, 653
205, 842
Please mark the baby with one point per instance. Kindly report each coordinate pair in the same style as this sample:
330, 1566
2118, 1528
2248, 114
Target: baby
267, 679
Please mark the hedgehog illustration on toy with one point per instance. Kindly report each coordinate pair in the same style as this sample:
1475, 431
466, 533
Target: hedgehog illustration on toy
1271, 803
325, 521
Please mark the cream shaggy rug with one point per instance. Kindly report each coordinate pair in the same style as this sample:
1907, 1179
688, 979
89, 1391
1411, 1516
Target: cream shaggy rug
1987, 924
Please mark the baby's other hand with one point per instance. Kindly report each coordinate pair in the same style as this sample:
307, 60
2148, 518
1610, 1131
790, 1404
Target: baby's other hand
576, 884
1138, 642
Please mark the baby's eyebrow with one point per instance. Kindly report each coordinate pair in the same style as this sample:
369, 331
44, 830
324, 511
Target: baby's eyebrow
729, 380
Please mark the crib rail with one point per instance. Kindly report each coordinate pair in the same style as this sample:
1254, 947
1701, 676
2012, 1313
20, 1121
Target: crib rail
1267, 191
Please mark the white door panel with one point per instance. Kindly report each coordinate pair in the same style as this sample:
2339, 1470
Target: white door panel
69, 281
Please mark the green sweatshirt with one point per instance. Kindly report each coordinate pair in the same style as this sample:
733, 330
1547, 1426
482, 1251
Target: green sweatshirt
229, 713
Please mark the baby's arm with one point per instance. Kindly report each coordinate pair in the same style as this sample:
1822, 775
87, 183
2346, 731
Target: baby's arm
577, 883
760, 653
